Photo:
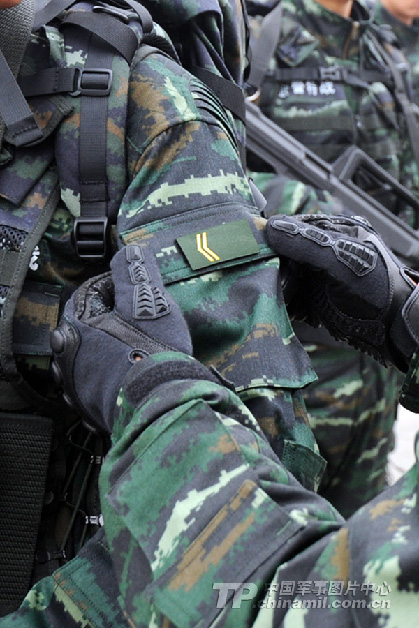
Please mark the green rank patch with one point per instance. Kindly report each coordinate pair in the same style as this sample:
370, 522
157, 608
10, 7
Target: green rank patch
218, 244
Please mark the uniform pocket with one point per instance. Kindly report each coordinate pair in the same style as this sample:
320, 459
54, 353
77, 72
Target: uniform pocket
196, 516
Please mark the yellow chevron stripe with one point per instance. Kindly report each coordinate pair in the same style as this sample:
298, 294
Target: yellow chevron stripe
203, 248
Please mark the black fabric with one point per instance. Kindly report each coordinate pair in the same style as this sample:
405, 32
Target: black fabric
49, 81
230, 94
110, 30
262, 50
24, 453
142, 380
14, 110
15, 29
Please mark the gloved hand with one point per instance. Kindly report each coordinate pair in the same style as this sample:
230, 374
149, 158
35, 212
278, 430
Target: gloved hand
340, 274
110, 322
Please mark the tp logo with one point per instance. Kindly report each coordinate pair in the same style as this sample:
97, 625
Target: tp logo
242, 591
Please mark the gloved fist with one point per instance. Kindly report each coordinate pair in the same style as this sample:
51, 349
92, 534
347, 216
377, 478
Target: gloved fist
340, 274
110, 322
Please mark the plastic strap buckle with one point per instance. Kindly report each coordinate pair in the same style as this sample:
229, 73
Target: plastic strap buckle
331, 74
92, 82
124, 15
91, 238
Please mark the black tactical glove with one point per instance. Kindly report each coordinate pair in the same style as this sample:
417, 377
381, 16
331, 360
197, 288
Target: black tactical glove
110, 322
340, 274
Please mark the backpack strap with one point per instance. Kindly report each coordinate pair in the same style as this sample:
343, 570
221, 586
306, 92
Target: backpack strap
91, 227
17, 116
229, 94
103, 32
263, 49
53, 8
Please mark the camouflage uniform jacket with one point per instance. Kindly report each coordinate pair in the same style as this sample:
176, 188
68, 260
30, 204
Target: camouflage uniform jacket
196, 504
408, 36
183, 177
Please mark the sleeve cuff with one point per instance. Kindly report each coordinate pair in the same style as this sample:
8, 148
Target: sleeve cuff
157, 369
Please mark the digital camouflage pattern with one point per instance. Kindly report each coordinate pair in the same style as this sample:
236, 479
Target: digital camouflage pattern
407, 36
352, 407
352, 415
175, 173
205, 526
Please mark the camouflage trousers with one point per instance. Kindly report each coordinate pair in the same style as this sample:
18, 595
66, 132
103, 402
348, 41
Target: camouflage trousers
352, 409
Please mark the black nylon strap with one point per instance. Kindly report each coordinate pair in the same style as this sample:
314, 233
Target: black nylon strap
49, 81
17, 116
54, 7
229, 93
25, 442
8, 261
90, 229
92, 147
116, 34
50, 11
264, 46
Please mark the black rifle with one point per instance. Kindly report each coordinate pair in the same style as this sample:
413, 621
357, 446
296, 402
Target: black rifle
286, 154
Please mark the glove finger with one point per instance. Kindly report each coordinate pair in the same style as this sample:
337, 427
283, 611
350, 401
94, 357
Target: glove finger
142, 300
342, 256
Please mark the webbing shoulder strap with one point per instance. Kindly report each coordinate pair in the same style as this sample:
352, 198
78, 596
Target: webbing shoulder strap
54, 7
17, 116
229, 94
263, 48
106, 35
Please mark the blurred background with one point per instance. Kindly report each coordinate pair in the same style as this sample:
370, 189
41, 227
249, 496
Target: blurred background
402, 458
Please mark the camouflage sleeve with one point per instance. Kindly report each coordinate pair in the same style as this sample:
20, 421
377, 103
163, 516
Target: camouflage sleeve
195, 503
285, 195
204, 526
190, 202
